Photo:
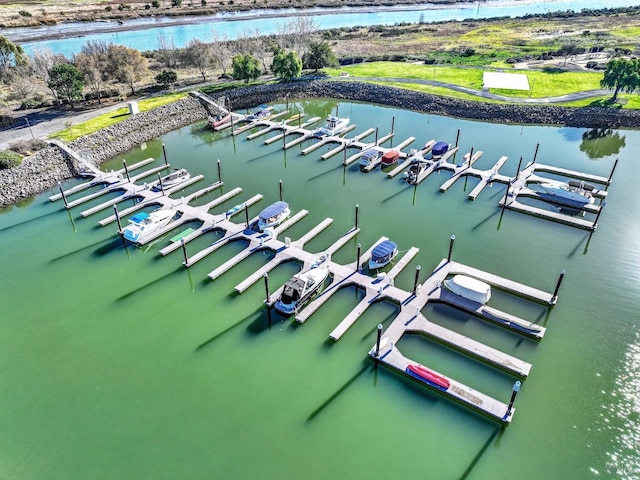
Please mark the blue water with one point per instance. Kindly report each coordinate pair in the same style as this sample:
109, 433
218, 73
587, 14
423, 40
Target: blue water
267, 22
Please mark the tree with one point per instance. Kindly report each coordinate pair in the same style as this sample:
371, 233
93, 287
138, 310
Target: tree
11, 55
621, 74
221, 52
319, 56
41, 62
245, 67
167, 52
198, 55
67, 81
92, 61
127, 65
167, 77
297, 34
287, 65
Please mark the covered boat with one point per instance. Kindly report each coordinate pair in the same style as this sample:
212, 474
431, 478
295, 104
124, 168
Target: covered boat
438, 150
178, 176
382, 254
333, 126
469, 287
368, 157
301, 287
261, 113
572, 194
390, 158
432, 378
143, 225
273, 215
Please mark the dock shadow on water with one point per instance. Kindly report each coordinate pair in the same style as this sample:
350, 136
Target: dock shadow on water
111, 245
150, 284
103, 243
31, 220
480, 453
366, 367
227, 330
575, 249
482, 222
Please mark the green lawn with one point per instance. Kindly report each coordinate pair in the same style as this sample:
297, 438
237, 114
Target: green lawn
108, 119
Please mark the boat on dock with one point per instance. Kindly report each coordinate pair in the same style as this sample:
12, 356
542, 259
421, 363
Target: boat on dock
263, 112
273, 215
368, 157
469, 288
415, 169
301, 287
570, 194
437, 151
333, 126
432, 378
143, 225
178, 176
382, 254
218, 120
389, 158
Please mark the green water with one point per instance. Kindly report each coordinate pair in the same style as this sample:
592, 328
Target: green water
118, 363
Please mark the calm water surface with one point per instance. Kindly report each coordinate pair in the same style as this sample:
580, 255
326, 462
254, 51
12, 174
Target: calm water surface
119, 363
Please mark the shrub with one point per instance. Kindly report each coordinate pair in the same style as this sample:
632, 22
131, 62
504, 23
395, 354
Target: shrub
9, 159
167, 77
24, 13
108, 8
26, 147
29, 103
203, 3
155, 4
176, 3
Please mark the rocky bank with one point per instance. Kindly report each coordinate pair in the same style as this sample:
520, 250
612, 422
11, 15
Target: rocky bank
47, 167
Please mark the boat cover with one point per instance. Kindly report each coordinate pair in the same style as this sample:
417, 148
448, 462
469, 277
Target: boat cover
383, 249
440, 148
138, 217
273, 210
369, 154
390, 156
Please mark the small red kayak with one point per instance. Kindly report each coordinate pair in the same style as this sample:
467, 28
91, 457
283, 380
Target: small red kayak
426, 374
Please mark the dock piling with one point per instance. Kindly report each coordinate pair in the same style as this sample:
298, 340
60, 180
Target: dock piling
266, 287
595, 222
64, 197
415, 281
457, 137
519, 164
376, 136
160, 182
164, 153
115, 211
184, 252
555, 292
514, 393
219, 172
535, 155
393, 123
470, 156
280, 189
358, 258
246, 214
378, 340
615, 164
451, 242
126, 169
357, 211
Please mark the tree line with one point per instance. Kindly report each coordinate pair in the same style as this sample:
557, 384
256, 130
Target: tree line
101, 67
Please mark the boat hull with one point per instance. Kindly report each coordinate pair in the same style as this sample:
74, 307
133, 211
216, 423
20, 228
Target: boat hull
303, 286
469, 288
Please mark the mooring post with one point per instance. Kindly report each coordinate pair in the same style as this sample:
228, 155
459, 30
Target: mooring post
164, 153
595, 222
284, 137
615, 164
393, 123
115, 210
246, 214
219, 171
184, 252
376, 136
415, 280
357, 210
536, 152
160, 183
555, 292
470, 155
126, 169
378, 340
344, 160
358, 258
519, 164
266, 287
514, 392
451, 242
287, 107
280, 189
457, 137
64, 197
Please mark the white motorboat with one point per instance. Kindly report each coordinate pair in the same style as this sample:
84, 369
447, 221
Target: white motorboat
273, 215
368, 157
469, 288
382, 254
301, 287
333, 126
263, 112
178, 176
143, 225
571, 194
417, 166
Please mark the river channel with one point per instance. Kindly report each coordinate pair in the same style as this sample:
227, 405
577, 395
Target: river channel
119, 363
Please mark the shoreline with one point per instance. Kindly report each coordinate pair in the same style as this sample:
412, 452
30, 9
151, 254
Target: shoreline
43, 170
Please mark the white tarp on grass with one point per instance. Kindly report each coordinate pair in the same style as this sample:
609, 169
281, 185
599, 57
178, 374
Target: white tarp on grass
509, 81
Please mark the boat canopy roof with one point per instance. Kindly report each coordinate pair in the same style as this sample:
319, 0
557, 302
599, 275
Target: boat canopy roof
391, 155
383, 249
274, 210
138, 217
440, 148
369, 154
